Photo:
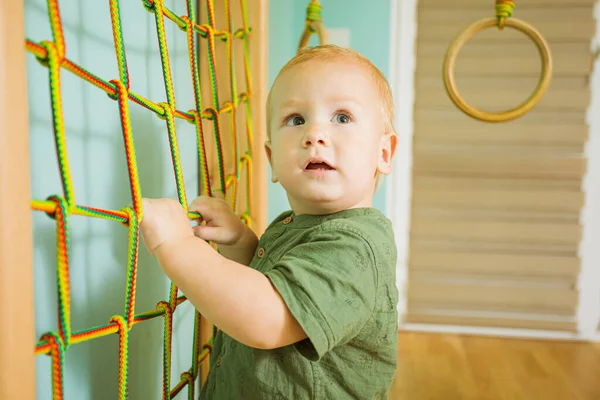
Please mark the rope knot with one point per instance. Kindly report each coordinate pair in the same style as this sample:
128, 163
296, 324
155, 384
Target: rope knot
164, 307
45, 61
117, 87
196, 119
55, 341
62, 206
121, 323
134, 217
148, 5
187, 377
186, 23
504, 9
167, 110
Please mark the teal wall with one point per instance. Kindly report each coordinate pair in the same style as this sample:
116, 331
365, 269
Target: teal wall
369, 26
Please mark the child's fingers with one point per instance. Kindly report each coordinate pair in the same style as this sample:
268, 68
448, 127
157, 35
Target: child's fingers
208, 233
200, 204
210, 208
198, 220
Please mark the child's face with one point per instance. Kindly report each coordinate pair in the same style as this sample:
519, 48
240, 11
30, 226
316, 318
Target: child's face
328, 140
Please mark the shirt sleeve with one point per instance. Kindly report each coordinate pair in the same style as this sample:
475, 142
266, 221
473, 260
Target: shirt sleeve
329, 284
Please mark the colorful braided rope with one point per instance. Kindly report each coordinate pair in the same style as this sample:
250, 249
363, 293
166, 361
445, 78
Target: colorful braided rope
190, 20
115, 15
313, 13
62, 257
60, 141
57, 353
134, 239
123, 355
53, 55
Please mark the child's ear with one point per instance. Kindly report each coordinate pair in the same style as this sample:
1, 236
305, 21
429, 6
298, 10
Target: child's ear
269, 153
387, 151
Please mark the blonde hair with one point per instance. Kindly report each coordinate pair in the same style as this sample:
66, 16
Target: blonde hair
330, 52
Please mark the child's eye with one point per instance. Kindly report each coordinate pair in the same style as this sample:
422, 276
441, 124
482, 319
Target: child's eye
295, 120
342, 118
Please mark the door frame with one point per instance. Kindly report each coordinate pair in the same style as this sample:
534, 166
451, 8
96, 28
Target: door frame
403, 34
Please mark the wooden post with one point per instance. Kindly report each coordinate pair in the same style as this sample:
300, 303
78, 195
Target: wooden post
17, 335
258, 18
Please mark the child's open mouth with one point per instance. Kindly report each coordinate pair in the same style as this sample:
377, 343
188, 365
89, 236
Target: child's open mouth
319, 166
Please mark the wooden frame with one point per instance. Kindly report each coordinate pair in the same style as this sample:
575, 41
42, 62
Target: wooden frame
17, 336
259, 19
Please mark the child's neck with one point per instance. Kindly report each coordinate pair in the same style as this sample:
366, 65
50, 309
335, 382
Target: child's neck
326, 209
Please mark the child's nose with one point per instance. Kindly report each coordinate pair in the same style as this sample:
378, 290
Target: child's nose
318, 141
315, 137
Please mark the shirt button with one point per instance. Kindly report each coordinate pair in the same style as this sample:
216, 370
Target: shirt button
219, 362
287, 220
261, 252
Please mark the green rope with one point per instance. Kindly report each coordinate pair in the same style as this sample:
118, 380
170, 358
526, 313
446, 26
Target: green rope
504, 10
313, 12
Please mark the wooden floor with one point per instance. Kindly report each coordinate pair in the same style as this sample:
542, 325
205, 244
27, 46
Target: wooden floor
447, 367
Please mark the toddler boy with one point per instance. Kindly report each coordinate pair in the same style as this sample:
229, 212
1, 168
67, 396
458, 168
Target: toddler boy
308, 311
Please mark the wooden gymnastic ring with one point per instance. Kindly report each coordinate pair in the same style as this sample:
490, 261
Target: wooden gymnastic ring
313, 27
527, 105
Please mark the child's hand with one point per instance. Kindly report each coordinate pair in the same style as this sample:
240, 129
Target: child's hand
164, 220
222, 225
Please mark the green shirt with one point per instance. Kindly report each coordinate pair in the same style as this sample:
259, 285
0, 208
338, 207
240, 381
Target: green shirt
337, 274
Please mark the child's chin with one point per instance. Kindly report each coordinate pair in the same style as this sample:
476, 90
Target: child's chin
322, 196
318, 194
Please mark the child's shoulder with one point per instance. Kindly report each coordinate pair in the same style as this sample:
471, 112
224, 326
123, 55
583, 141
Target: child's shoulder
369, 220
280, 218
358, 227
365, 220
369, 223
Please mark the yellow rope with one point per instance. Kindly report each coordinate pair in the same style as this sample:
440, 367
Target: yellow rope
504, 10
313, 25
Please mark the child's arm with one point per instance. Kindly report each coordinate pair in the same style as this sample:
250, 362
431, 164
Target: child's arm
236, 240
238, 300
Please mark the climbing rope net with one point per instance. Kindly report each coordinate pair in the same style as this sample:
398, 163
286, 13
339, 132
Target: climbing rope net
52, 54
